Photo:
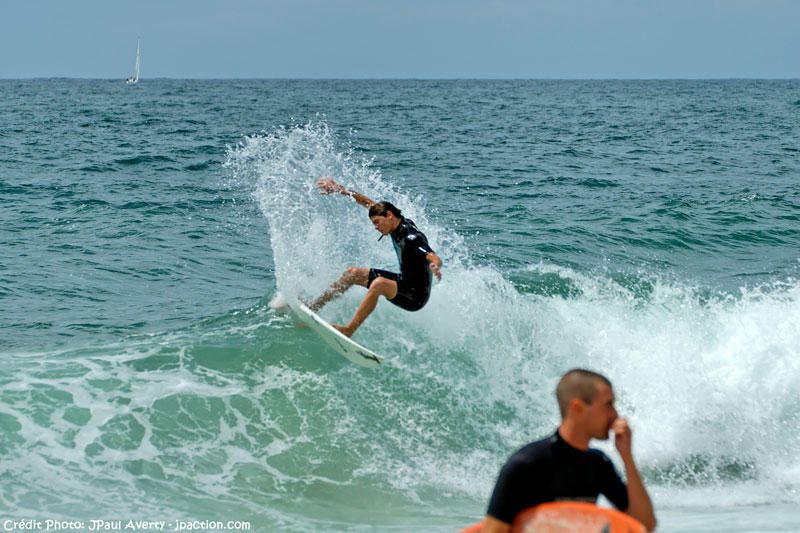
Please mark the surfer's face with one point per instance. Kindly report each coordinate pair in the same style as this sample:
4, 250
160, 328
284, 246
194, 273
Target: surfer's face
384, 224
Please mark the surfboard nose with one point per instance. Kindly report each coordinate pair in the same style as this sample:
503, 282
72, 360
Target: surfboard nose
279, 303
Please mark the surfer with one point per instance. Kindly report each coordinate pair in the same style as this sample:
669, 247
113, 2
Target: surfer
563, 467
411, 288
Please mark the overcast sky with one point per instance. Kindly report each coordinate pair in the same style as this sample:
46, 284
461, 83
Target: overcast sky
401, 38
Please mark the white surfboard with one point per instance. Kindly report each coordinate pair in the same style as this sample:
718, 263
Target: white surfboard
341, 343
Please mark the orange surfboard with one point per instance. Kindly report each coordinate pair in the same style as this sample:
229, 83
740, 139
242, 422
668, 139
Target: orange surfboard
570, 517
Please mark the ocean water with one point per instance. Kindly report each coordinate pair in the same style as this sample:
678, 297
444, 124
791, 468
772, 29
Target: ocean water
646, 229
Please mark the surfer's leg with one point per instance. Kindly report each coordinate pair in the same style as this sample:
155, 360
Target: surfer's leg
352, 276
379, 287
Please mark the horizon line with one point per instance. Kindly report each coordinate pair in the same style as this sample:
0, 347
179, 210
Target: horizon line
162, 78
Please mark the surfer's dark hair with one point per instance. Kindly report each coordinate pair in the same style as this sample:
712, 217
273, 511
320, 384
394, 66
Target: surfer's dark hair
379, 209
578, 383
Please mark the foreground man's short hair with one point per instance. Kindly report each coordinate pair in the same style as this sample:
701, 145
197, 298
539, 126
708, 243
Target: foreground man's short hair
578, 383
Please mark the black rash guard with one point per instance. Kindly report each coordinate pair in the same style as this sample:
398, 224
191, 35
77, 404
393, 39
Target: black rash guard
415, 277
550, 469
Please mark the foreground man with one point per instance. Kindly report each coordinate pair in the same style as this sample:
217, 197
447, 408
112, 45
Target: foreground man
563, 467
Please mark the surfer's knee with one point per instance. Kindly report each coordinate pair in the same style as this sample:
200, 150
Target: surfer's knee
350, 275
355, 275
384, 287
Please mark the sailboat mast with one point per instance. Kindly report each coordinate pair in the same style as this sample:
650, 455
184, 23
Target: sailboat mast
138, 59
135, 77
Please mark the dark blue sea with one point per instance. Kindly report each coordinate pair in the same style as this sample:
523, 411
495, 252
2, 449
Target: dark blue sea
649, 230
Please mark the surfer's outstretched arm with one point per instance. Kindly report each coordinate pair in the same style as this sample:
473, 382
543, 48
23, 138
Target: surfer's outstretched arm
329, 185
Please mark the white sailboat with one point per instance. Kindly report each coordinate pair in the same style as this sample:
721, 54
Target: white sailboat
135, 78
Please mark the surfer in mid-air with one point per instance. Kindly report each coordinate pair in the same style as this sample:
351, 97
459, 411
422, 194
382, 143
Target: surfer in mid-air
411, 288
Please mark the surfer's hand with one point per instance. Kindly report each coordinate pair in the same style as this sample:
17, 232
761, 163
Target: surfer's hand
622, 436
329, 185
435, 264
436, 269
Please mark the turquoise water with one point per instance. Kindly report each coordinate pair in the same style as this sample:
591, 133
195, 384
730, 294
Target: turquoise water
648, 229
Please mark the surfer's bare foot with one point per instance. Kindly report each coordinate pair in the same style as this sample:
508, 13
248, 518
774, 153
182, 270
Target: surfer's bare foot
347, 332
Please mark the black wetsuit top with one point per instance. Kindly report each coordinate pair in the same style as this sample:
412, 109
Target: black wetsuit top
415, 278
550, 469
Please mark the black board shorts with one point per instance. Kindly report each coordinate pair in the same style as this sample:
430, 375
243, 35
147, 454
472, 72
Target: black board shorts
410, 296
